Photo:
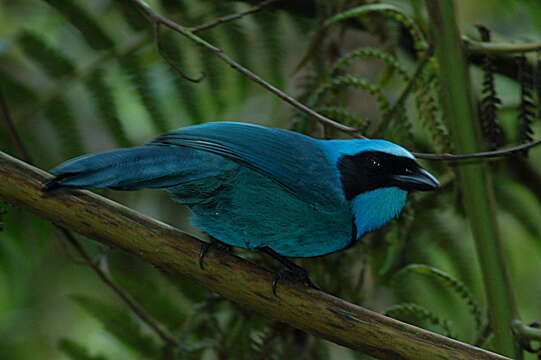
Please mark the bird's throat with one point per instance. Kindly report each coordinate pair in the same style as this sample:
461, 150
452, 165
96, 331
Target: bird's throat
375, 208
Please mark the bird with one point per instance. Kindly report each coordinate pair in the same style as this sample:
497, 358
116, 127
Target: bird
277, 191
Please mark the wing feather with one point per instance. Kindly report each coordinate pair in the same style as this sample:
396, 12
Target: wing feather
293, 160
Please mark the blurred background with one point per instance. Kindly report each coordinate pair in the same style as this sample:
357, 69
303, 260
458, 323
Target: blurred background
86, 76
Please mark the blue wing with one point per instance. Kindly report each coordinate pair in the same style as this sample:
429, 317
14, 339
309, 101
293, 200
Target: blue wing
293, 160
139, 168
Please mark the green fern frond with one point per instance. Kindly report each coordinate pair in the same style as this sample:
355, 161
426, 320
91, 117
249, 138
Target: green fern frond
343, 116
537, 83
93, 33
132, 15
187, 92
345, 81
213, 69
137, 74
527, 105
174, 7
389, 10
396, 240
16, 92
268, 23
399, 127
148, 293
61, 117
49, 59
192, 291
426, 87
76, 351
360, 54
490, 101
450, 282
121, 325
235, 37
107, 107
420, 313
514, 198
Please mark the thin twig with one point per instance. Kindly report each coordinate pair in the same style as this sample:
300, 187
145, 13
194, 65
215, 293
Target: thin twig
232, 17
167, 339
479, 155
171, 63
132, 304
156, 18
404, 95
15, 138
473, 46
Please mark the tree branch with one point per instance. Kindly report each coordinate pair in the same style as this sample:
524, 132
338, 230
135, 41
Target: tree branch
171, 250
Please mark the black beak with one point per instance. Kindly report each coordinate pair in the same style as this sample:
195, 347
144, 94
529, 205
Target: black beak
420, 180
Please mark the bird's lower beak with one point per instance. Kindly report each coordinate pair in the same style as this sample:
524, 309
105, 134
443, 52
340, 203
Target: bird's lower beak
420, 180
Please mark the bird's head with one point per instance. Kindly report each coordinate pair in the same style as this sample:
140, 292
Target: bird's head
374, 164
376, 176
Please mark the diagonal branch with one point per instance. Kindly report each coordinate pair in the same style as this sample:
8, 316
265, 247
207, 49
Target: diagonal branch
166, 338
158, 19
232, 17
171, 250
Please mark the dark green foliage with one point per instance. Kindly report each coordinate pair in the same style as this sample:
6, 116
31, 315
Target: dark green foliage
187, 92
235, 36
132, 65
349, 81
121, 324
14, 91
343, 116
399, 128
60, 114
431, 229
451, 283
407, 311
133, 16
490, 101
76, 351
173, 6
527, 106
388, 10
50, 60
268, 23
537, 83
426, 90
360, 54
107, 108
213, 69
3, 211
151, 295
93, 33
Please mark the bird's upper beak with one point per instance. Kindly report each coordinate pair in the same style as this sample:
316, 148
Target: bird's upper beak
420, 180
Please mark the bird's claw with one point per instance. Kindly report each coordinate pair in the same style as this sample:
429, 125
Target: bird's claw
205, 247
298, 275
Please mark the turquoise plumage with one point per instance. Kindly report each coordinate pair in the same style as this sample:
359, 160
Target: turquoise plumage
255, 187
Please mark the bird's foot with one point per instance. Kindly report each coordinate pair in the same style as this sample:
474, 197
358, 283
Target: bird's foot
212, 244
297, 274
291, 272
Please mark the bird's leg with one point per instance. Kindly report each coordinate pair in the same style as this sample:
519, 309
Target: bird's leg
206, 247
292, 272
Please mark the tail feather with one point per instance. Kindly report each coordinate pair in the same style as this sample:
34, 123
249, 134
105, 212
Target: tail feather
150, 166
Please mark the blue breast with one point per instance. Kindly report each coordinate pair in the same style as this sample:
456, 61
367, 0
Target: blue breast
252, 211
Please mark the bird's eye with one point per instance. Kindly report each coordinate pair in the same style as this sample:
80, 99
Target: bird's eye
374, 163
408, 170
